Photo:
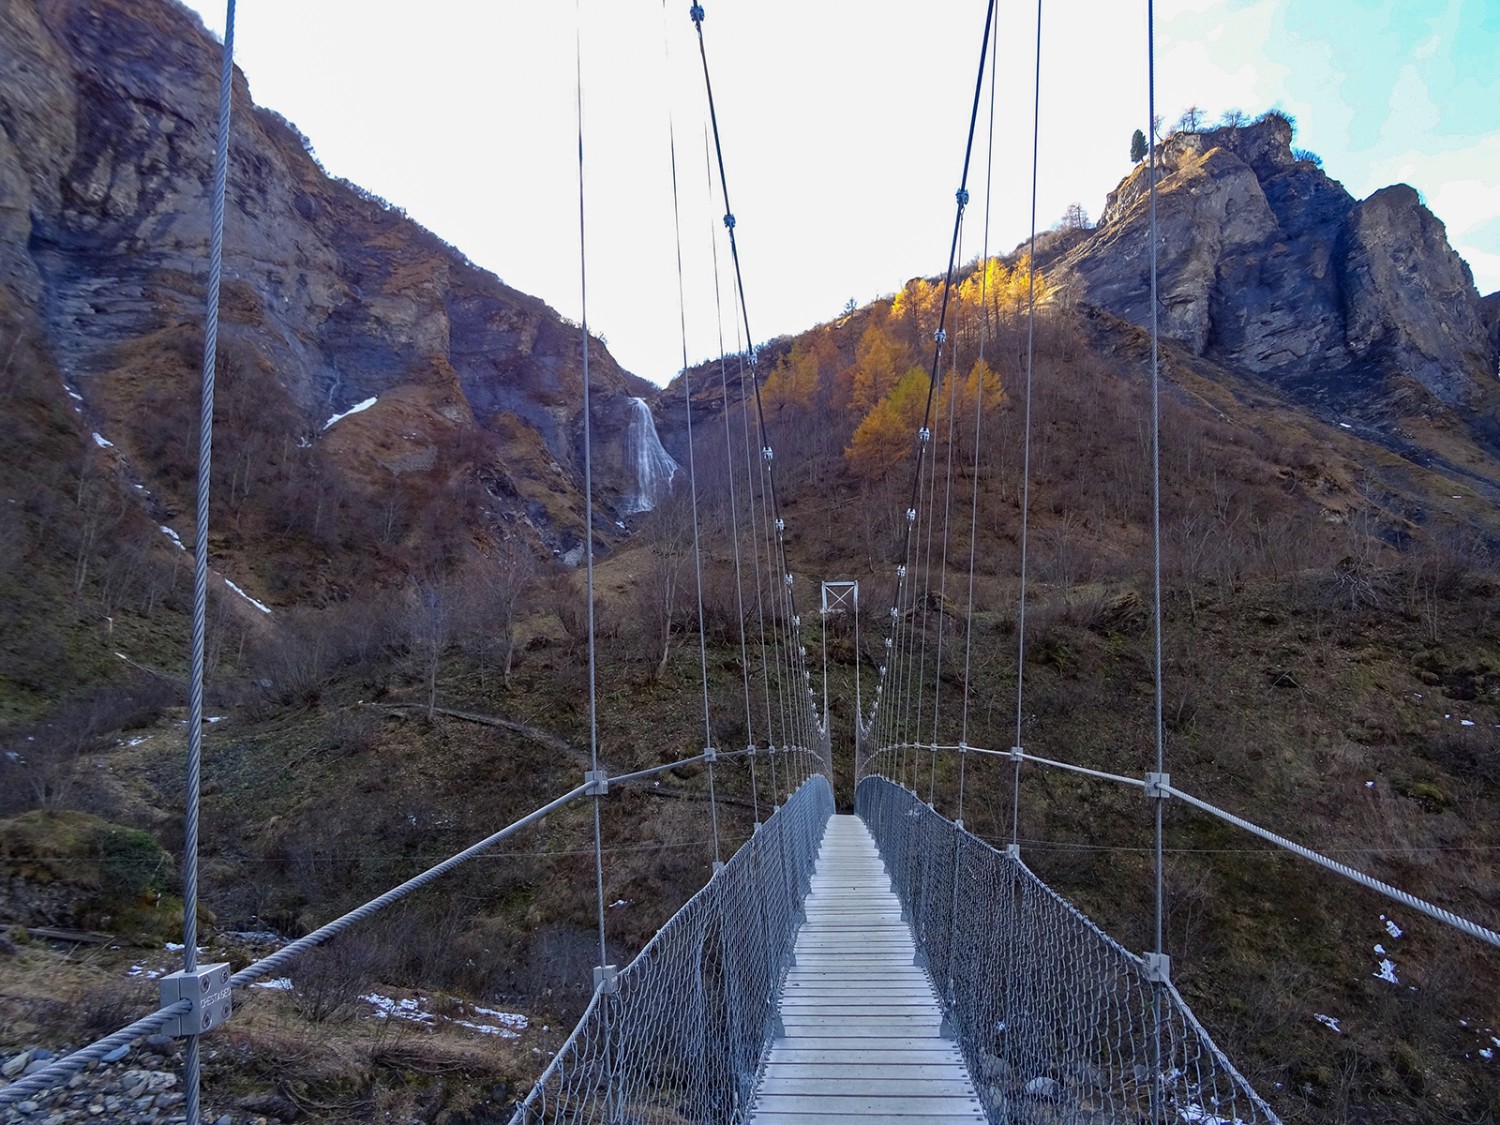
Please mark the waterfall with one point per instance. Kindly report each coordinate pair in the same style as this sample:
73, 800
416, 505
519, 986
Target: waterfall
654, 467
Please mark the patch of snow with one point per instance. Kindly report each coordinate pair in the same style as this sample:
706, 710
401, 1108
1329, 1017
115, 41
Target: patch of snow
1466, 722
1391, 927
1380, 949
144, 973
75, 396
1346, 425
1387, 971
137, 741
279, 984
173, 536
387, 1008
1369, 785
213, 719
355, 409
1201, 1116
618, 902
103, 442
510, 1019
1329, 1021
263, 608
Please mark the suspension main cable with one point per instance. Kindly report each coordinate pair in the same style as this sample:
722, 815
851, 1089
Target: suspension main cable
984, 326
734, 520
769, 468
962, 198
687, 403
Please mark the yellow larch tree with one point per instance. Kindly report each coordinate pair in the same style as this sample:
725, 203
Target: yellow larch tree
888, 432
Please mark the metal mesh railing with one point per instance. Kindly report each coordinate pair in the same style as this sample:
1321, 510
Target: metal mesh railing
681, 1036
1054, 1017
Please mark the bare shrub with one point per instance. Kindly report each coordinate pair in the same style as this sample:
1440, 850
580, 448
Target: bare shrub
328, 979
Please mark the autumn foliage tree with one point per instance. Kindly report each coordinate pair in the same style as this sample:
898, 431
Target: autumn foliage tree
888, 431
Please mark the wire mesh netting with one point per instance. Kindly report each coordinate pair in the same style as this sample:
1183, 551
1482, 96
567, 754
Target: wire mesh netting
1057, 1021
681, 1037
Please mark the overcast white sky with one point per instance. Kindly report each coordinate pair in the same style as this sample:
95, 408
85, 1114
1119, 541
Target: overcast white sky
843, 126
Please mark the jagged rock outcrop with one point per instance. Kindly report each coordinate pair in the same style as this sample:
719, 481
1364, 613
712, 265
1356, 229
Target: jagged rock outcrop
1269, 266
107, 120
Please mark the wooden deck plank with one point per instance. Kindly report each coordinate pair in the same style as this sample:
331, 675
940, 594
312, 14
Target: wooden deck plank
862, 1025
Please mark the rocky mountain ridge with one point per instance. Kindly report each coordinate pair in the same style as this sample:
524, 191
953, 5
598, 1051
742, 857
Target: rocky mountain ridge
1358, 309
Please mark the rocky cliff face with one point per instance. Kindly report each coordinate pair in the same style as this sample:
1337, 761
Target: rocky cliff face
331, 297
1270, 267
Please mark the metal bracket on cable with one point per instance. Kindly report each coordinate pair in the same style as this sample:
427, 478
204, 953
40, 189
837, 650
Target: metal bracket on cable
595, 783
962, 195
728, 222
1159, 785
710, 754
1012, 851
767, 454
696, 13
941, 335
911, 515
1158, 968
924, 435
606, 979
206, 988
1016, 753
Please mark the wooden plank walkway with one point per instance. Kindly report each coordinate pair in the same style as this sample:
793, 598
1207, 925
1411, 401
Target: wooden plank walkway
862, 1022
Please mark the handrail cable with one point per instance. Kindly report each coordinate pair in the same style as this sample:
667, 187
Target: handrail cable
1457, 921
61, 1069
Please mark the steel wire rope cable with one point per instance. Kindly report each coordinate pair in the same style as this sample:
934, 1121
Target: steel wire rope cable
281, 958
1018, 744
974, 480
602, 981
730, 463
687, 403
1457, 921
984, 326
193, 781
962, 196
734, 536
734, 516
953, 394
1159, 734
1012, 955
769, 467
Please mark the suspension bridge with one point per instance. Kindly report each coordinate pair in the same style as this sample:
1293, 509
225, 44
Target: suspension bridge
883, 966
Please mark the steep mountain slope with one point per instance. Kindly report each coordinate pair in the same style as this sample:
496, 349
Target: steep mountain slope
1331, 591
331, 296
